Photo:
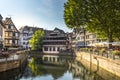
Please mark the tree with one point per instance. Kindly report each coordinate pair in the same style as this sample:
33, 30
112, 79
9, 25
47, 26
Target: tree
101, 17
36, 40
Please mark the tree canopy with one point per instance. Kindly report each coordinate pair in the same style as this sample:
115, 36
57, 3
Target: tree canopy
36, 40
101, 17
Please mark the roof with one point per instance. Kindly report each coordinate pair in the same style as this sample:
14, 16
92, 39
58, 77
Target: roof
55, 31
29, 28
61, 31
1, 17
47, 32
2, 24
8, 21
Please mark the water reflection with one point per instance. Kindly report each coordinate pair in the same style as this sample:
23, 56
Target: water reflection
58, 68
49, 67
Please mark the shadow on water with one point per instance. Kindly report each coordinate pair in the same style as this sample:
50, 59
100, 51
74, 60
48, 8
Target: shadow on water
13, 74
49, 67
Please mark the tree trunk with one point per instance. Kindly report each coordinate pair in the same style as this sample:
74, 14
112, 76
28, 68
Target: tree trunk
84, 36
110, 39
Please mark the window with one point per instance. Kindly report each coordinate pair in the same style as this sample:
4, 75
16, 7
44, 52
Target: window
16, 41
13, 34
10, 41
6, 41
87, 36
23, 42
94, 36
58, 49
6, 33
13, 41
16, 34
10, 34
46, 48
9, 27
50, 48
53, 48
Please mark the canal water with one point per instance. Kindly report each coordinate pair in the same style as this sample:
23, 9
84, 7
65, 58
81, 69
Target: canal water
48, 67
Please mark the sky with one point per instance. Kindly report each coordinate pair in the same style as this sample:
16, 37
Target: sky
46, 14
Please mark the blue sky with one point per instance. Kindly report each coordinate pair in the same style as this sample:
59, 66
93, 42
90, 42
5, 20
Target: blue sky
47, 14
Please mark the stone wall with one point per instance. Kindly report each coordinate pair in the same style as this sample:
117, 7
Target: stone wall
12, 64
112, 66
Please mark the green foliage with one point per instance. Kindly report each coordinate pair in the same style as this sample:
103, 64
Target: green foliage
116, 52
37, 69
102, 51
101, 17
36, 40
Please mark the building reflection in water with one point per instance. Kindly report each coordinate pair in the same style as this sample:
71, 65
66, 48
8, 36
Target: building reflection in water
49, 67
63, 64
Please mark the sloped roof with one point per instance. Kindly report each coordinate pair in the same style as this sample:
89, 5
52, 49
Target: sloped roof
47, 32
29, 28
1, 17
2, 24
55, 31
8, 21
61, 31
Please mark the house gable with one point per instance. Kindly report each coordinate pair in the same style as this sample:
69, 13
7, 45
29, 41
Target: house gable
9, 22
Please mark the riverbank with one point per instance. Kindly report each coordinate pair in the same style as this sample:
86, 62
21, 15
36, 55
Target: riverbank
112, 66
12, 61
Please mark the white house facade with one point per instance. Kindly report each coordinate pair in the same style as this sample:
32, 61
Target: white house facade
84, 38
26, 33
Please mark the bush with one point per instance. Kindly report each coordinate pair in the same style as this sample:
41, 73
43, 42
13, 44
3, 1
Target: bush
116, 52
102, 51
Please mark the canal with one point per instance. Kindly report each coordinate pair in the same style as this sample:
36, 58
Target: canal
49, 67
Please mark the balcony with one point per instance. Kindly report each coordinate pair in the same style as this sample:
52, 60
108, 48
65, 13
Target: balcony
9, 30
12, 37
58, 36
15, 37
54, 40
12, 44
